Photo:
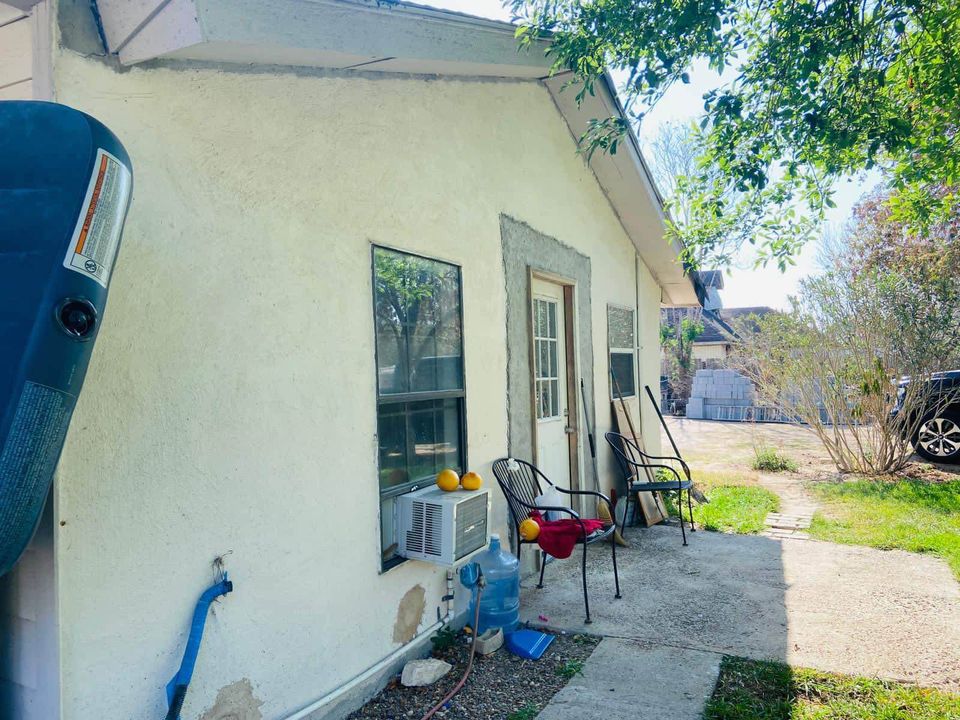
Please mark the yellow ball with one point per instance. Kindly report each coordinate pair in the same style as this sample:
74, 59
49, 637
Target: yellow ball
529, 529
448, 480
471, 481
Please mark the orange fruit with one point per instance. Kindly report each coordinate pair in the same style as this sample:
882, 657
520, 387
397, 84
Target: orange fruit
471, 481
448, 480
529, 529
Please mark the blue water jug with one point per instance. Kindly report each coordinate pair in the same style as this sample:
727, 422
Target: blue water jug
500, 602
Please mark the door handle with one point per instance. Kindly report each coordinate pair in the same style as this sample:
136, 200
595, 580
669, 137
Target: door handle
569, 430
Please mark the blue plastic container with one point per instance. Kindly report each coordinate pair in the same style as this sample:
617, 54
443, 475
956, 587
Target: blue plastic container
500, 603
529, 644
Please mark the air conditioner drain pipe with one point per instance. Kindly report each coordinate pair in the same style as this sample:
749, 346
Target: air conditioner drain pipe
473, 572
380, 665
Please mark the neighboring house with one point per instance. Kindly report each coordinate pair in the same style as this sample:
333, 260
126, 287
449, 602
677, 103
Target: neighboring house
262, 385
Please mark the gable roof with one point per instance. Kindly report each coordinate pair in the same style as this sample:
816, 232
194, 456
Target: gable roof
401, 37
719, 326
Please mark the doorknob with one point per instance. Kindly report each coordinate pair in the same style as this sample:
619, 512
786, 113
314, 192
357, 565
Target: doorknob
569, 430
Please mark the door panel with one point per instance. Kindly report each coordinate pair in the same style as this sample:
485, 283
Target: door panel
550, 381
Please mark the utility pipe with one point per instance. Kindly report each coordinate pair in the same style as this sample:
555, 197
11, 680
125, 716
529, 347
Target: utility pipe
379, 666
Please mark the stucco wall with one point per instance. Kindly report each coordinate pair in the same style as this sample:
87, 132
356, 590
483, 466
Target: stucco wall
230, 404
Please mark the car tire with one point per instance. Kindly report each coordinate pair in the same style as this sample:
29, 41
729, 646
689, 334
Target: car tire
938, 438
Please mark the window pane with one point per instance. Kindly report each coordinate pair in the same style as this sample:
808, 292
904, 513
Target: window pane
621, 364
418, 439
418, 324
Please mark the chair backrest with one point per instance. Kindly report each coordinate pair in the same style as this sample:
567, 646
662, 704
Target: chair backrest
520, 483
628, 454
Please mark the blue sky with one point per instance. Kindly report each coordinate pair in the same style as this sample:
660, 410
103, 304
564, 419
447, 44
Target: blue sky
745, 285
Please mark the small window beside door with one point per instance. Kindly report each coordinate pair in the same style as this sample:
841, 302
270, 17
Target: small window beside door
621, 342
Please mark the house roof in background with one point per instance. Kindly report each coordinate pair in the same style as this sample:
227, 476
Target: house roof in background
401, 37
711, 278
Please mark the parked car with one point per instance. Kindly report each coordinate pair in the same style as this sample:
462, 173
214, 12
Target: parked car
937, 437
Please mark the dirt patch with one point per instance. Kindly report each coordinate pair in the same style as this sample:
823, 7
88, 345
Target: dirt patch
499, 685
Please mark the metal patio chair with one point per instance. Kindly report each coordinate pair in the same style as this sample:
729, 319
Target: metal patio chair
632, 460
520, 482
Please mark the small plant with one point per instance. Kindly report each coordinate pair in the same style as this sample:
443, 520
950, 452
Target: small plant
769, 460
527, 712
444, 640
570, 668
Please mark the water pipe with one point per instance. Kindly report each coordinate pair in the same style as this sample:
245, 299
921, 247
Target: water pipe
379, 666
481, 582
177, 687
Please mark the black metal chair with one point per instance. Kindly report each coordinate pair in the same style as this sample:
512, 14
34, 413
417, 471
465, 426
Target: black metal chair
632, 460
520, 483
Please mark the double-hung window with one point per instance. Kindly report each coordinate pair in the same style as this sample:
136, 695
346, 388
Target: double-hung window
621, 342
420, 389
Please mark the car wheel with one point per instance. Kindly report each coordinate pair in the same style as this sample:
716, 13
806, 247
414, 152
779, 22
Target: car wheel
938, 438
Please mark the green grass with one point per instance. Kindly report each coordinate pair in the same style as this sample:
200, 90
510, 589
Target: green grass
906, 514
755, 690
767, 459
737, 504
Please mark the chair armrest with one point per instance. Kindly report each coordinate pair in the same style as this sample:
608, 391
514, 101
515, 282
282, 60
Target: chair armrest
656, 465
686, 468
584, 492
558, 508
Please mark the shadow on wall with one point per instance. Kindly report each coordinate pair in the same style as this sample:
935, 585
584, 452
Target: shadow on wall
28, 632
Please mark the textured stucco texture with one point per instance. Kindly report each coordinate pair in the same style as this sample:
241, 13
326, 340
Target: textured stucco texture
230, 404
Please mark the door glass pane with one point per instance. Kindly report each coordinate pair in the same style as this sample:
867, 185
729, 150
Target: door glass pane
546, 349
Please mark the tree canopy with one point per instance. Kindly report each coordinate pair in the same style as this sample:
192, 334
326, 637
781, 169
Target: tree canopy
818, 89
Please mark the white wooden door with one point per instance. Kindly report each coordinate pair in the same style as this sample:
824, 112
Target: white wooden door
550, 381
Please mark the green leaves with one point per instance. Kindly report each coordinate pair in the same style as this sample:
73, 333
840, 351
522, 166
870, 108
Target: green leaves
823, 90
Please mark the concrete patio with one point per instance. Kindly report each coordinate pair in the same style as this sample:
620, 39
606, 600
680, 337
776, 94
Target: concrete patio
845, 609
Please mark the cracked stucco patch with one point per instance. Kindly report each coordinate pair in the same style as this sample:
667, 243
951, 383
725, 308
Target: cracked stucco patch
235, 702
408, 614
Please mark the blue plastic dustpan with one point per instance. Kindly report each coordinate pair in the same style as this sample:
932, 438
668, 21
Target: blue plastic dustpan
529, 644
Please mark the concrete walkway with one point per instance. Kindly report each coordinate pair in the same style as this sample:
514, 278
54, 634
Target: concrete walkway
796, 506
832, 607
640, 681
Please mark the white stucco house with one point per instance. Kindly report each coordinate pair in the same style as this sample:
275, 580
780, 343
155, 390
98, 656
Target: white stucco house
258, 388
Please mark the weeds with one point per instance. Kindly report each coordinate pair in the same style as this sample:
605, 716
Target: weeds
527, 712
767, 459
570, 669
444, 640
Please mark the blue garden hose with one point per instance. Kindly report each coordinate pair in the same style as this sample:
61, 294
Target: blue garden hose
177, 687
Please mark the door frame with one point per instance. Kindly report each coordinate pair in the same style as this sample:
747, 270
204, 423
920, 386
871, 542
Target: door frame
569, 287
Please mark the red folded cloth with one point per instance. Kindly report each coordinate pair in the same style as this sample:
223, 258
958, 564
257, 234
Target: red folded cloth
559, 537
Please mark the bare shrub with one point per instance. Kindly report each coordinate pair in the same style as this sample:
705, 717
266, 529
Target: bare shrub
836, 360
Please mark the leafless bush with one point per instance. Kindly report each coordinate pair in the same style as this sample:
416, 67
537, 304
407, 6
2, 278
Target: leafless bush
835, 361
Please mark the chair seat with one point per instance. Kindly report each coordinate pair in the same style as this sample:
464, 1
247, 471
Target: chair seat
591, 538
658, 486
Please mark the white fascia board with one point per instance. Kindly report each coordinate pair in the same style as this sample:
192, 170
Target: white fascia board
626, 181
337, 34
21, 6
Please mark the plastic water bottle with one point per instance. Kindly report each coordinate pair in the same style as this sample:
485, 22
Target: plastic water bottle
500, 602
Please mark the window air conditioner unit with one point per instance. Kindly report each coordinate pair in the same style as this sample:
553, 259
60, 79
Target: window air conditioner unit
441, 527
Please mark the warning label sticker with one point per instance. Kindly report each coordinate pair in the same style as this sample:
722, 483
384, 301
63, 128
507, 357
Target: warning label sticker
93, 247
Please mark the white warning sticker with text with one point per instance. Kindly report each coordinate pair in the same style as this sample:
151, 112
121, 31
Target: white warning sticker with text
93, 247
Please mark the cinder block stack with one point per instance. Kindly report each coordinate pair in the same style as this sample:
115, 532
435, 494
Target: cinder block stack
713, 389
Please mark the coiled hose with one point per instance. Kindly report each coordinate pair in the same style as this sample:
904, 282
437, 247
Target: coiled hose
473, 650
